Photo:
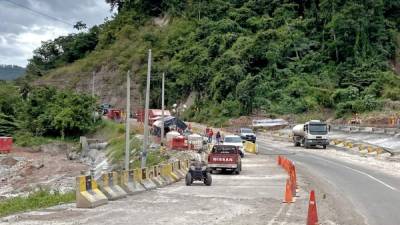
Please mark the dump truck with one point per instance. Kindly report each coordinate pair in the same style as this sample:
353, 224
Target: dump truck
311, 134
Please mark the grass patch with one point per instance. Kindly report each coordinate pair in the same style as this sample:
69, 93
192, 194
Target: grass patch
36, 200
109, 130
26, 139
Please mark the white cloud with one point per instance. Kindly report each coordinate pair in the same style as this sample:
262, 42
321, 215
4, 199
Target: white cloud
22, 31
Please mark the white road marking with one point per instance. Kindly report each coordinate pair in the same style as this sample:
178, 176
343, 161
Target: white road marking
360, 172
272, 221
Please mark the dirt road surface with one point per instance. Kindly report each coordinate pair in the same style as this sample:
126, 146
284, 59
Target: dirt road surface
253, 197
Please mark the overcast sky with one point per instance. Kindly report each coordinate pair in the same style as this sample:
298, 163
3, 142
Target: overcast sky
21, 30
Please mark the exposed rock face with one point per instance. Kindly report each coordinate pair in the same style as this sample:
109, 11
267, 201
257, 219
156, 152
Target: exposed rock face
109, 85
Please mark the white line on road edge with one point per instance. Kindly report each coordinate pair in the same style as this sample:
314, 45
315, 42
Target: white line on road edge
361, 172
272, 221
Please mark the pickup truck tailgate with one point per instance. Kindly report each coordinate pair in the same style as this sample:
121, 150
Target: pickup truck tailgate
223, 160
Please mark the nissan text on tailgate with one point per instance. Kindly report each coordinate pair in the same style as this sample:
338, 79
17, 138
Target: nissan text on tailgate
225, 158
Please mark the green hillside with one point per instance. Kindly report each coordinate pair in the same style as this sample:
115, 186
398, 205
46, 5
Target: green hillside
276, 56
11, 72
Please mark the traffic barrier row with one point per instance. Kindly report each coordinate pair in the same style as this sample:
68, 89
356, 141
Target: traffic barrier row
291, 190
118, 184
291, 183
250, 147
391, 130
361, 147
5, 144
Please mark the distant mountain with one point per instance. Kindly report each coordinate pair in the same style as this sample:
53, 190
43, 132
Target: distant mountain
11, 72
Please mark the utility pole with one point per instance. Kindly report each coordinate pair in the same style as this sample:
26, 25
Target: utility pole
146, 114
128, 112
94, 113
162, 108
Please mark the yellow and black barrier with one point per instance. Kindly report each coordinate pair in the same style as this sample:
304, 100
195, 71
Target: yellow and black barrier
177, 171
109, 186
166, 175
159, 174
250, 147
146, 180
128, 183
171, 172
183, 166
87, 193
155, 177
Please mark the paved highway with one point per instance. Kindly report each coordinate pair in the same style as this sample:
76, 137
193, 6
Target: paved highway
372, 194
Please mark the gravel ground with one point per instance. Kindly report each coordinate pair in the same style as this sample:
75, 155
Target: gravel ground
253, 197
24, 170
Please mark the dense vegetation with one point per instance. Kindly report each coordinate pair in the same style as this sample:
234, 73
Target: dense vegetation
44, 111
11, 72
279, 56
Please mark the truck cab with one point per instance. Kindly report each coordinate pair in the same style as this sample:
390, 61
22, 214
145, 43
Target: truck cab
225, 158
247, 134
311, 134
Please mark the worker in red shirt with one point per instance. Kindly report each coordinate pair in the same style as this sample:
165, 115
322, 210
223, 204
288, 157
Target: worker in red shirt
210, 135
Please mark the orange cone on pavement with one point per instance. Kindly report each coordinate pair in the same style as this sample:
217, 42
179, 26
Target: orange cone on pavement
312, 218
288, 193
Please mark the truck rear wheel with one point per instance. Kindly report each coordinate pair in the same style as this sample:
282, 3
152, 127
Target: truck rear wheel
238, 169
324, 146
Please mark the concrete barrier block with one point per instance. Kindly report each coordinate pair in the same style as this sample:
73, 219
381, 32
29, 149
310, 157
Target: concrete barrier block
345, 129
129, 184
354, 129
391, 131
172, 173
155, 177
249, 147
146, 181
365, 129
166, 175
349, 144
87, 193
376, 130
109, 186
159, 173
177, 171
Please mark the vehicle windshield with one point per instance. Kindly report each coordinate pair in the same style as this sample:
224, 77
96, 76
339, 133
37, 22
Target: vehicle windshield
232, 139
247, 131
318, 129
223, 149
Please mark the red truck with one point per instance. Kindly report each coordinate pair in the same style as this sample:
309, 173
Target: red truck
225, 158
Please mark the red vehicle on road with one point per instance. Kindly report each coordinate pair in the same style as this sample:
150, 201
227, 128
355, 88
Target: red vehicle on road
225, 158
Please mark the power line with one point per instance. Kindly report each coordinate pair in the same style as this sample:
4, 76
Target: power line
39, 13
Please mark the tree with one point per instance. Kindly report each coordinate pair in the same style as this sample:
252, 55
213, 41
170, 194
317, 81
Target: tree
80, 25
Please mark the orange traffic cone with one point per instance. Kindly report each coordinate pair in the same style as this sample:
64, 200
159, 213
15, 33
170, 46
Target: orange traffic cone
292, 183
288, 193
312, 218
